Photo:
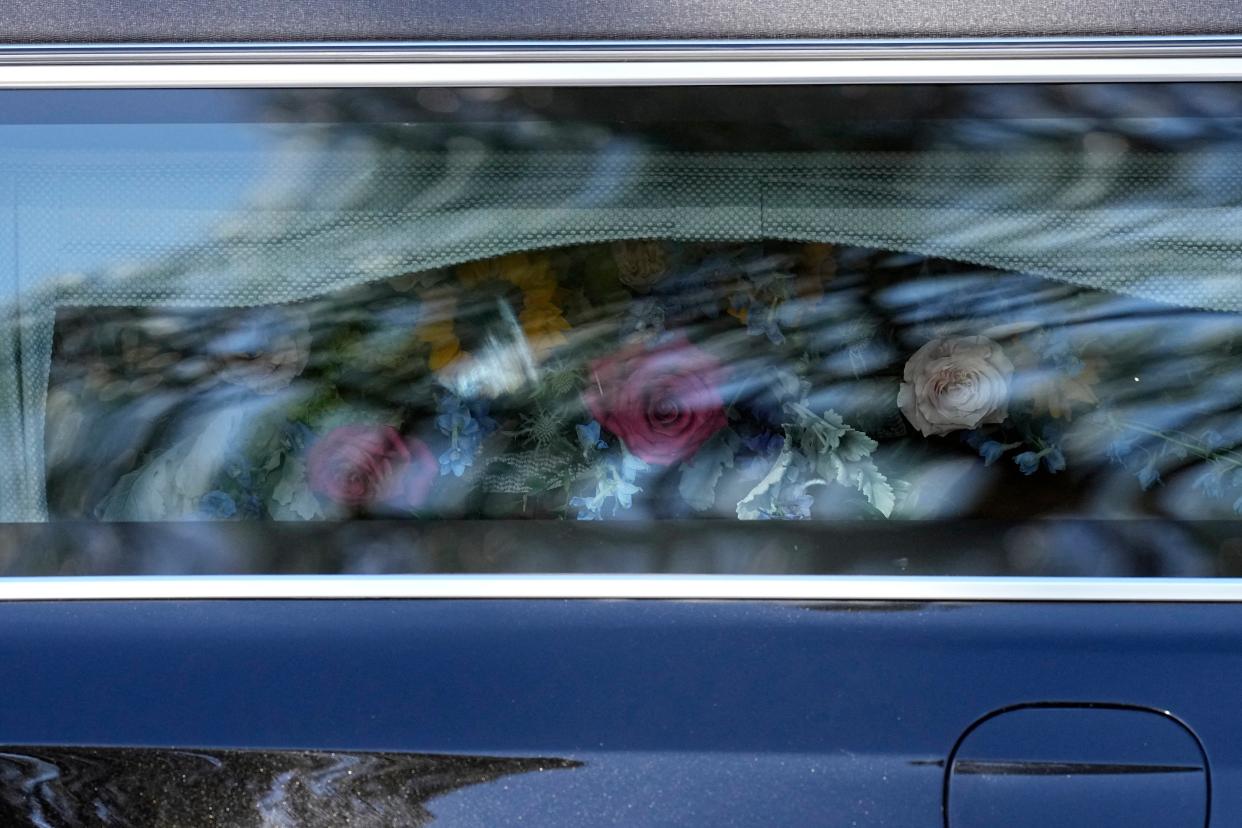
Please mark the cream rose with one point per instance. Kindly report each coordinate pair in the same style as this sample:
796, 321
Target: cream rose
956, 383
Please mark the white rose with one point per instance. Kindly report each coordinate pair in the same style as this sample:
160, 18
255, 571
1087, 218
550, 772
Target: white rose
956, 383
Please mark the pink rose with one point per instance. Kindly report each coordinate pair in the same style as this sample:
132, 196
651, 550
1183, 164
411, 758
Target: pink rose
357, 465
954, 384
663, 403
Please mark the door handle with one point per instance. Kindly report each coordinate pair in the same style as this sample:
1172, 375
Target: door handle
1071, 765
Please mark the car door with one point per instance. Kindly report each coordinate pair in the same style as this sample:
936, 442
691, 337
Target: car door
420, 438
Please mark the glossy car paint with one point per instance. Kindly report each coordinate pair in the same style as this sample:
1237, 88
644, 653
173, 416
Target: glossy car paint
688, 713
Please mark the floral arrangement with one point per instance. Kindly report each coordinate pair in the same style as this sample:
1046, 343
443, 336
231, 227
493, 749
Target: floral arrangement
635, 379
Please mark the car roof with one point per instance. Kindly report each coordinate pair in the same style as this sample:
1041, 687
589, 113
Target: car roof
200, 21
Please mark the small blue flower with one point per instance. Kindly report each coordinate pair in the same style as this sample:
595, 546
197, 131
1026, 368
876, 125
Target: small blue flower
625, 493
764, 443
1059, 350
454, 461
589, 438
762, 446
1054, 459
1119, 449
586, 508
1210, 483
217, 504
789, 506
479, 411
1148, 476
465, 426
250, 507
1028, 462
991, 451
614, 487
1212, 439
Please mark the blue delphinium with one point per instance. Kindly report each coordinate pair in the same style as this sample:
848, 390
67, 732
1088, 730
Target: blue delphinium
1220, 480
615, 488
1211, 483
1052, 458
792, 504
465, 425
250, 507
1028, 462
1061, 351
1120, 449
1049, 452
589, 439
1212, 440
764, 443
762, 446
217, 504
991, 451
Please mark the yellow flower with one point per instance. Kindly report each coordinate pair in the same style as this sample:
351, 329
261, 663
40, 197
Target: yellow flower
473, 274
519, 269
444, 354
527, 273
544, 326
538, 296
445, 346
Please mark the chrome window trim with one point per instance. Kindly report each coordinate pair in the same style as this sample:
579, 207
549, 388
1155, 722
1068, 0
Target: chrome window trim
588, 63
588, 50
694, 72
793, 588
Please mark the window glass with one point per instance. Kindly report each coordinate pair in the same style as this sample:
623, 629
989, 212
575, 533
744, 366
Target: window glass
937, 330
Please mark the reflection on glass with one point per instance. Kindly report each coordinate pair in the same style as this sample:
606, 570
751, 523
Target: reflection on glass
51, 787
770, 323
647, 380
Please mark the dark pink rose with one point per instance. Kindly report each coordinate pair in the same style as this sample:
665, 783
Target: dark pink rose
357, 465
663, 402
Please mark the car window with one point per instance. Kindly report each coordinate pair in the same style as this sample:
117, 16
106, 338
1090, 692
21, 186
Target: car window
921, 329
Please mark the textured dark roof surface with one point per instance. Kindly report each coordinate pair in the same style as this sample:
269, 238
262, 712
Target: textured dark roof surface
82, 21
